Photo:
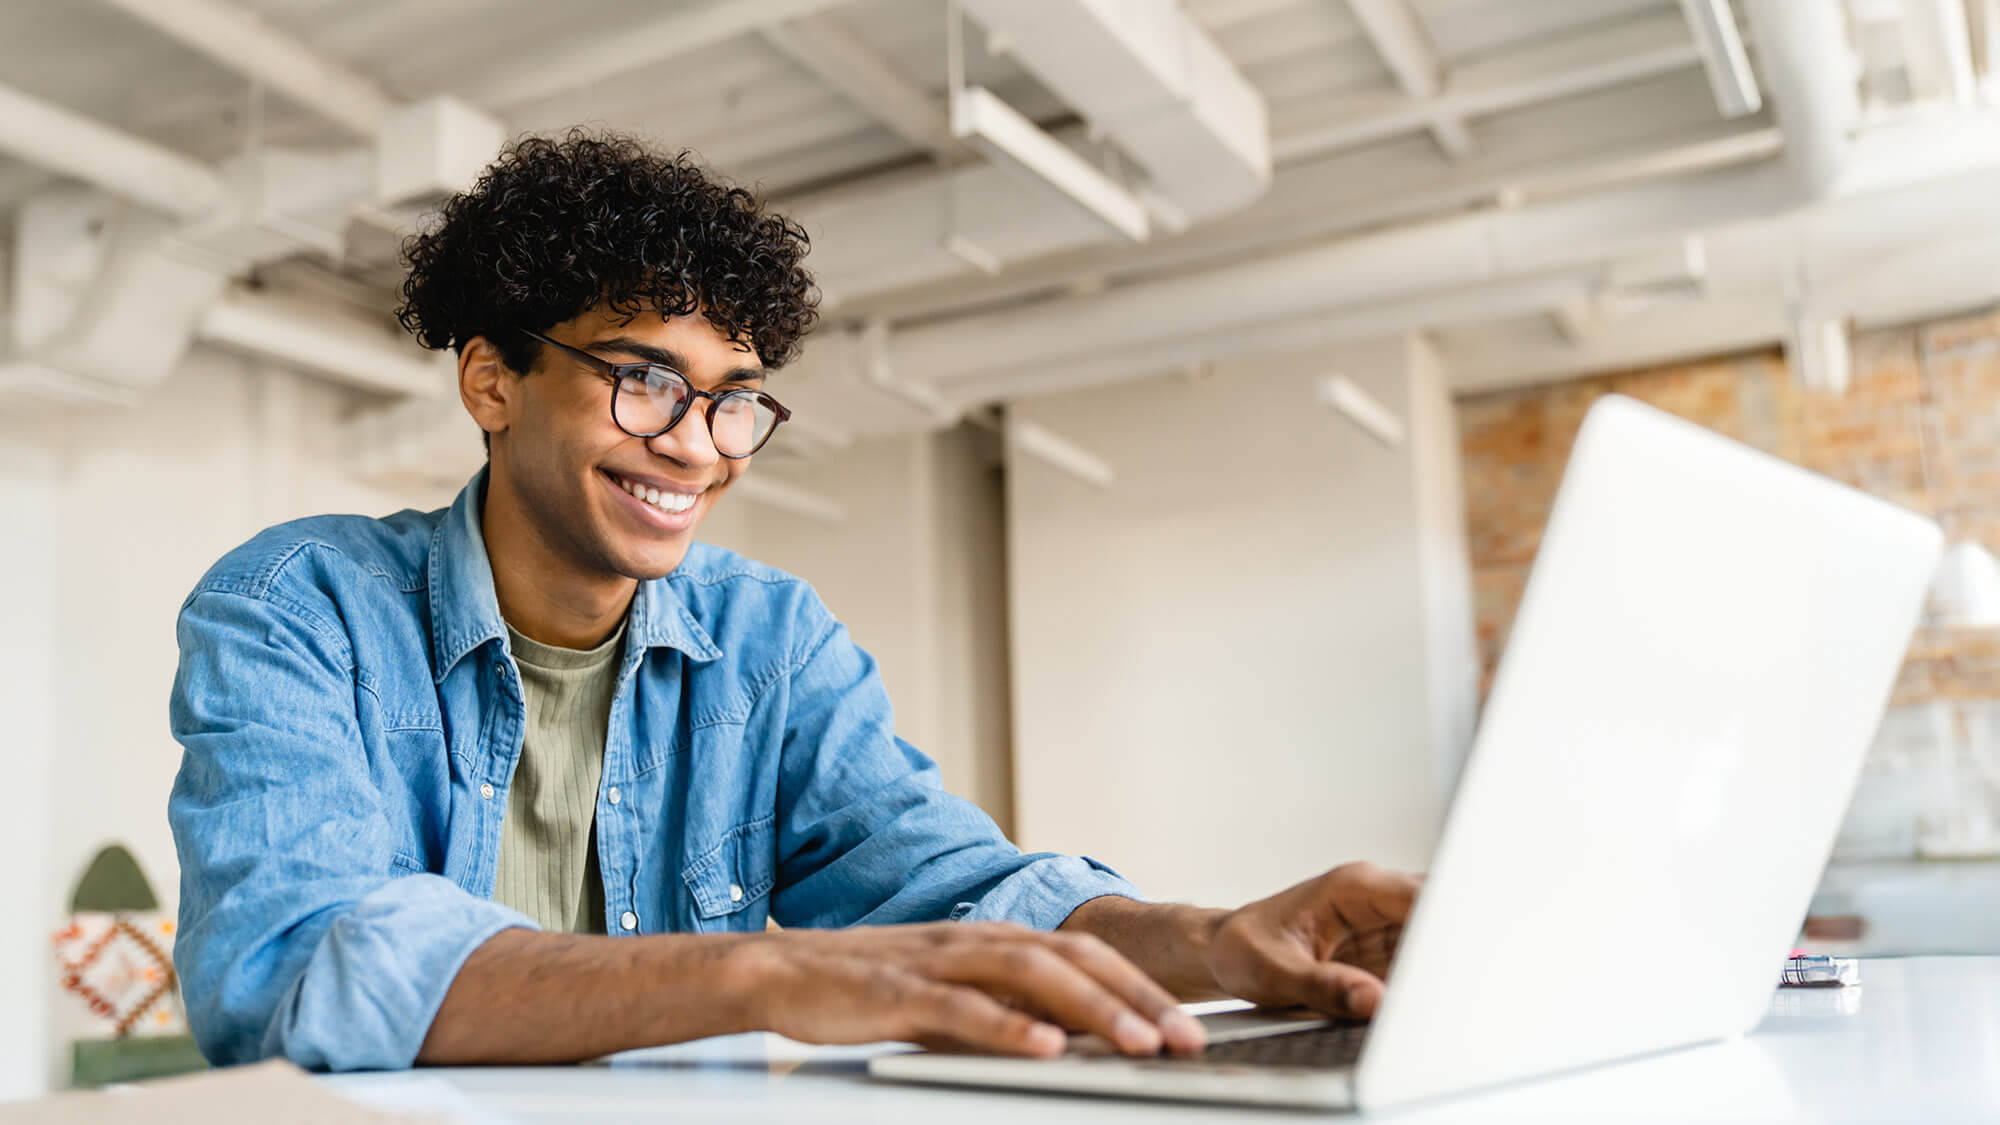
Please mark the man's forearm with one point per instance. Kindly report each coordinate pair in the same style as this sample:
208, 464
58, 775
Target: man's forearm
1168, 941
528, 997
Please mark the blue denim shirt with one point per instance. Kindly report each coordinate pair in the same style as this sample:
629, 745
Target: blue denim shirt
350, 718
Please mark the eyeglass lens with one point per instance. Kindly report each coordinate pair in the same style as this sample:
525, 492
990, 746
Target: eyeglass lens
740, 422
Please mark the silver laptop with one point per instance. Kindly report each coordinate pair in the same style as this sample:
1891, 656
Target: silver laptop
1700, 661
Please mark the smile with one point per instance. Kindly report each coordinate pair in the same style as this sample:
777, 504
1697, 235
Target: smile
672, 503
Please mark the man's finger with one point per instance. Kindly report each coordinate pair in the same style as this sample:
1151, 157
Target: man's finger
1035, 974
954, 1013
1372, 897
1130, 983
1336, 990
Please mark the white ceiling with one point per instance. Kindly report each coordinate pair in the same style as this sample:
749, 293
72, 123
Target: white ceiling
1556, 97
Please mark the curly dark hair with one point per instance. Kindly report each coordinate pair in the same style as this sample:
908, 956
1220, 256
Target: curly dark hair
557, 226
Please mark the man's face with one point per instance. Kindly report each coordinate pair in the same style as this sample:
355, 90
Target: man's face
573, 470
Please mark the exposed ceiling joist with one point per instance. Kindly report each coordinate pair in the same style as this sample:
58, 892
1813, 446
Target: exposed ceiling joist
126, 166
1938, 37
1393, 30
1348, 193
1713, 23
820, 45
244, 41
598, 57
1572, 64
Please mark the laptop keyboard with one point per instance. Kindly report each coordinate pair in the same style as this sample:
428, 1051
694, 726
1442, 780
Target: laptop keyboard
1330, 1047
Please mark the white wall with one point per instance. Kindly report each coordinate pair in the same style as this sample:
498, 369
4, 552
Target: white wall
1451, 646
139, 505
915, 572
28, 897
1220, 672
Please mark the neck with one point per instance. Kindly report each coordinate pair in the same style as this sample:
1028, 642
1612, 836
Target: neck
543, 593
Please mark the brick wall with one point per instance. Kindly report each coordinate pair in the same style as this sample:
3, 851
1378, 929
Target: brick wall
1920, 425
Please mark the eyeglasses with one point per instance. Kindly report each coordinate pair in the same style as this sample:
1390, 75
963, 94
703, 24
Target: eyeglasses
648, 399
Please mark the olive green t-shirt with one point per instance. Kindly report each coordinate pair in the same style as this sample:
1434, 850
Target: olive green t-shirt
548, 845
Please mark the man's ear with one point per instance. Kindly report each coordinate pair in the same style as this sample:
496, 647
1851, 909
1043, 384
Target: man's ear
486, 385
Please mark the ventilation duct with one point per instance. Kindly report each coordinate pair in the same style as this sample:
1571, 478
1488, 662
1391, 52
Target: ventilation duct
105, 299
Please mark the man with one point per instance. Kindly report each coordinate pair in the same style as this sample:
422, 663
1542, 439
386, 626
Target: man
522, 780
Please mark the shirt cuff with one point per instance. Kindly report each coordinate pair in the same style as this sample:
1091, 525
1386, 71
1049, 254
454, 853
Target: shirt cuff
380, 973
1046, 892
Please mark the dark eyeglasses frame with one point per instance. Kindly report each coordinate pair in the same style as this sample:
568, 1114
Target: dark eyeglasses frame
619, 372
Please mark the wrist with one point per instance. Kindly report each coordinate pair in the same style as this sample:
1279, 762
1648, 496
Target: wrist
1203, 927
750, 977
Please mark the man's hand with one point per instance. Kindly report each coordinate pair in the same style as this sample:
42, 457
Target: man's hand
1325, 943
953, 985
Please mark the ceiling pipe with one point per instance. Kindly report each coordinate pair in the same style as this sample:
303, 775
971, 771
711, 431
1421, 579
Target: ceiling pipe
1809, 69
74, 145
245, 42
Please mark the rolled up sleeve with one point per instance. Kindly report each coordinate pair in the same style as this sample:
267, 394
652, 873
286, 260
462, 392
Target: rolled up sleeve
867, 833
295, 938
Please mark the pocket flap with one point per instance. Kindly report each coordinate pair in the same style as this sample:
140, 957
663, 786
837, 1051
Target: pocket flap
736, 872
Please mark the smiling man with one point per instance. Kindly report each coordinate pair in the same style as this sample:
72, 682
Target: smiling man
522, 779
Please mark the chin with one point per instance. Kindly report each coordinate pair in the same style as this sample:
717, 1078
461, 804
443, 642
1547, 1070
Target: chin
657, 562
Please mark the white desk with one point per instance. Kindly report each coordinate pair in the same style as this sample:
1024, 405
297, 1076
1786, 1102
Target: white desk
1919, 1041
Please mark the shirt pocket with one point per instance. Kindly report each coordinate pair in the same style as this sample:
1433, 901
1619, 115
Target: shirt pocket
731, 877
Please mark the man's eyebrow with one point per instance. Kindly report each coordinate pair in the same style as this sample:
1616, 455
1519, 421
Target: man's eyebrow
650, 353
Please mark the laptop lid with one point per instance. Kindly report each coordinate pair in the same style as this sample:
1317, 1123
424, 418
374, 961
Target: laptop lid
1702, 655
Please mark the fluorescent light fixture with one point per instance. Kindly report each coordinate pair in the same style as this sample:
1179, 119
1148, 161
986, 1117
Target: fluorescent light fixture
1004, 136
1059, 453
1722, 56
1362, 409
771, 493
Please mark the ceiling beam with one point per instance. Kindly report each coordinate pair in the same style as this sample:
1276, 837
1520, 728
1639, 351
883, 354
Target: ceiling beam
64, 141
1555, 68
1713, 23
1392, 29
596, 58
821, 46
1938, 36
1356, 191
245, 42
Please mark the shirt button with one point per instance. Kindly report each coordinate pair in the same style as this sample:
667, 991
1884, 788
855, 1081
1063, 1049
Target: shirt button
613, 795
486, 790
735, 893
629, 920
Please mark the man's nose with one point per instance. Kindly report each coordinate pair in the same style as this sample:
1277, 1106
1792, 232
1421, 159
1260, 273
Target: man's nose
689, 443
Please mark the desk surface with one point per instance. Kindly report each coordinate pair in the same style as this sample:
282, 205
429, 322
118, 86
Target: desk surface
1919, 1040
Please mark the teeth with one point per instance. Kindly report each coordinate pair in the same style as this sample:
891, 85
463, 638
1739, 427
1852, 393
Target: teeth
665, 501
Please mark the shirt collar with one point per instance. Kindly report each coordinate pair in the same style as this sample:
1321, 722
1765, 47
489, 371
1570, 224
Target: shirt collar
465, 611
